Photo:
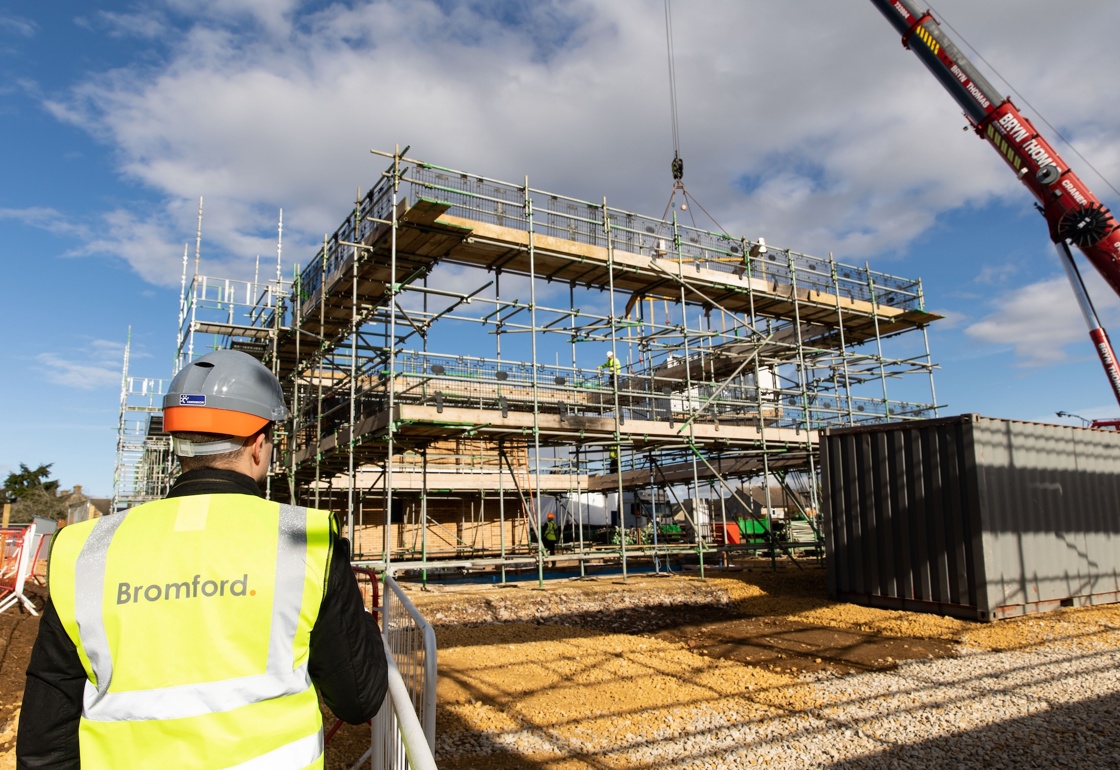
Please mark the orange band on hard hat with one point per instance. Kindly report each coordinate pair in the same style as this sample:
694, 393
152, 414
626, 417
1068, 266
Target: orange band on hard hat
205, 419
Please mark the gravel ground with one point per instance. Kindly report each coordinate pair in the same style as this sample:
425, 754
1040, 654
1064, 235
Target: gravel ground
575, 677
594, 674
1054, 707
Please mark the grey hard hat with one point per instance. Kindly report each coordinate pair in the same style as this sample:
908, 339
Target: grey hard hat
227, 392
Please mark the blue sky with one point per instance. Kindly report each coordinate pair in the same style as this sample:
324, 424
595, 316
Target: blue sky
805, 122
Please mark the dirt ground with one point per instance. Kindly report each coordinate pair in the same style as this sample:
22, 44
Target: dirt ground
595, 657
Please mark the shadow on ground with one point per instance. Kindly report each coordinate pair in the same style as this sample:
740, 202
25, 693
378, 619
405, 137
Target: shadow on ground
1061, 737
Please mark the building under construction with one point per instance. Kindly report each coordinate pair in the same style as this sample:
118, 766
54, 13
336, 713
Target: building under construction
446, 359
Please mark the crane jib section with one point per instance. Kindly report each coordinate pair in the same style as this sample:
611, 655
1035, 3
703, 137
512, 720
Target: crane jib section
1073, 213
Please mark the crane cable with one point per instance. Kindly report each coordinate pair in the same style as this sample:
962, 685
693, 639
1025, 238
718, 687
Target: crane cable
1021, 98
678, 164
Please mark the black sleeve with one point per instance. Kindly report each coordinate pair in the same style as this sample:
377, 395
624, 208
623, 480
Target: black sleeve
47, 736
347, 657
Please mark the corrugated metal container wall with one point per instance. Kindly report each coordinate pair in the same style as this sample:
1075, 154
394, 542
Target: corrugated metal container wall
972, 516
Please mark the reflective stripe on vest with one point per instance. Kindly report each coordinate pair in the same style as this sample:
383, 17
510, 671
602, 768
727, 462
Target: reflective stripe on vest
193, 699
300, 753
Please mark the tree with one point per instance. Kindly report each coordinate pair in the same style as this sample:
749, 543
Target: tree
33, 494
28, 482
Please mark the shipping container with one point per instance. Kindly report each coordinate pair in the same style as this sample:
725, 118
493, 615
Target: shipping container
972, 516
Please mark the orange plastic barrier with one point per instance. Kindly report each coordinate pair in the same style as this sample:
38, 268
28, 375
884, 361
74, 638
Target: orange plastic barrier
16, 544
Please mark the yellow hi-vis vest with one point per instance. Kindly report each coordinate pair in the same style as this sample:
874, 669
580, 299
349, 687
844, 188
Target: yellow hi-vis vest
192, 617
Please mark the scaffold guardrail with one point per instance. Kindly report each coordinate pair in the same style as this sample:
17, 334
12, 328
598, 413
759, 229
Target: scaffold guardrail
506, 204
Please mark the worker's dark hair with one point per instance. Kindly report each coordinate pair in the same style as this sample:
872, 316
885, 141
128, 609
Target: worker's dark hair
222, 460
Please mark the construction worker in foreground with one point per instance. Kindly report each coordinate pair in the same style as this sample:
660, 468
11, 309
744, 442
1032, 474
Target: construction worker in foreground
188, 632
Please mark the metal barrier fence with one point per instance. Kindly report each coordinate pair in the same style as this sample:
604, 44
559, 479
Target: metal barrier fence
17, 551
404, 730
398, 740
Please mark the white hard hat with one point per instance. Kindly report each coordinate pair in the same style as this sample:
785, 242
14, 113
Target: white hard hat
610, 354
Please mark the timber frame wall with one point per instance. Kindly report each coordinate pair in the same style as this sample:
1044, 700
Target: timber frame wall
442, 355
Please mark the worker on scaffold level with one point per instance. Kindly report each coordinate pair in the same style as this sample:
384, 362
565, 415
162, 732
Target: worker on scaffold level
188, 632
612, 368
551, 533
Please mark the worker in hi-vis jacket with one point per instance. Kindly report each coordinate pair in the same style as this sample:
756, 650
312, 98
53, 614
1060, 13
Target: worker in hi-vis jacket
612, 368
193, 631
551, 534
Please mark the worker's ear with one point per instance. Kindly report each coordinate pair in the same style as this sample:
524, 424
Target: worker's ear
258, 450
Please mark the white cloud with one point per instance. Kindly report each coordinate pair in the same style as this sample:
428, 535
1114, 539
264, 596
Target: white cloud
96, 365
1041, 320
272, 15
46, 219
808, 124
996, 274
145, 25
18, 26
950, 319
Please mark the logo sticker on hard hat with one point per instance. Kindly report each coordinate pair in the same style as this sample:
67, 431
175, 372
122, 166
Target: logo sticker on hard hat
188, 399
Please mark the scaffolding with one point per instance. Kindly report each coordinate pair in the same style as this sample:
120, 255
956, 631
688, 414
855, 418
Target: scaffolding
144, 462
444, 352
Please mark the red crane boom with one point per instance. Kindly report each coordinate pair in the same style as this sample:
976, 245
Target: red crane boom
1073, 213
